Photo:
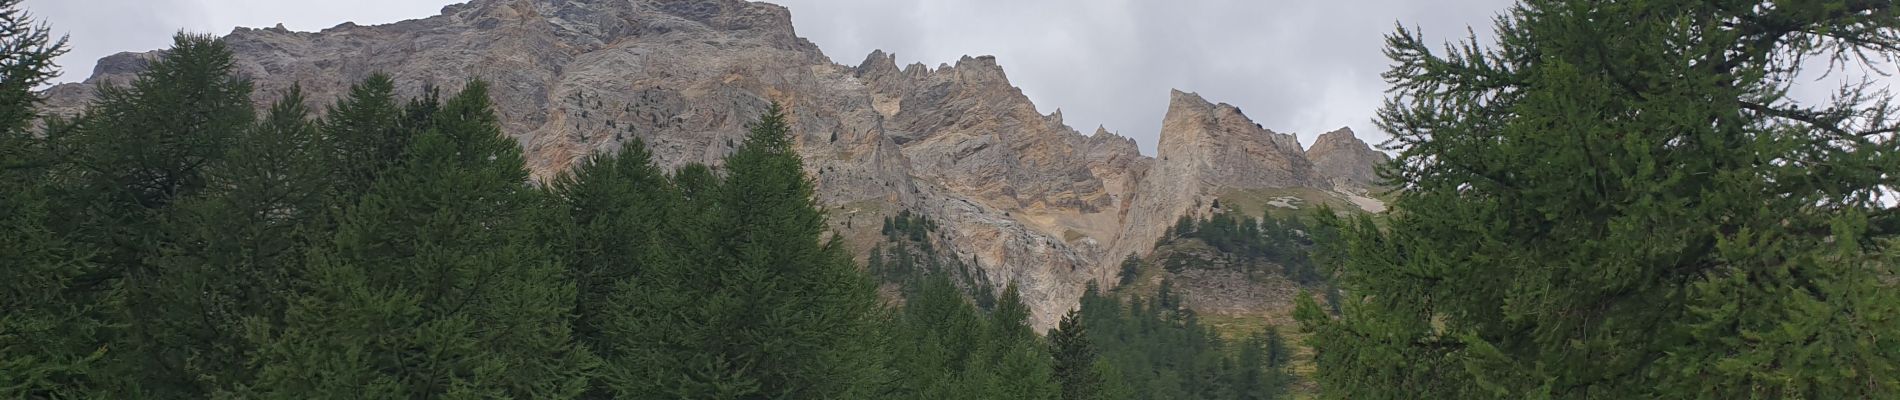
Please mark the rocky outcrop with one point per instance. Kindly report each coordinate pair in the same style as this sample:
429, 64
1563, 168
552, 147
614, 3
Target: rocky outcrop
1206, 148
1347, 163
1030, 199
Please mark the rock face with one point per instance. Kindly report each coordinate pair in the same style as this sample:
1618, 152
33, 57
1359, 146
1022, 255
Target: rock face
1030, 199
1206, 148
1346, 162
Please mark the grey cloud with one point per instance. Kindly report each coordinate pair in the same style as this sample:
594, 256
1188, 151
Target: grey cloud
1296, 67
1302, 67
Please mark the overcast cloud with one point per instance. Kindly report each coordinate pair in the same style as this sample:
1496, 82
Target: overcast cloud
1303, 67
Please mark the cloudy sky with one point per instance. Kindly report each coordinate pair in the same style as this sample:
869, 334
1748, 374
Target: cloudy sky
1303, 67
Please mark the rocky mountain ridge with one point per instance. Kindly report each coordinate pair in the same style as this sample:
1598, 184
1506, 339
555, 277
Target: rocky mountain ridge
1021, 194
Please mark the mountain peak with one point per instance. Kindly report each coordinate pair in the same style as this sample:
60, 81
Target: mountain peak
1343, 134
1178, 98
1345, 160
877, 63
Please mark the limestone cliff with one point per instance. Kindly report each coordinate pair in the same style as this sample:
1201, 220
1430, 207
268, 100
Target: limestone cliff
1031, 200
1205, 149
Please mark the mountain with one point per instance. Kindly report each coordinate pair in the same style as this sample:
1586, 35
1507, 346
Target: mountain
1020, 194
1345, 161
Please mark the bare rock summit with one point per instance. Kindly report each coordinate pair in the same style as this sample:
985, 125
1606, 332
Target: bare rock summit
1345, 161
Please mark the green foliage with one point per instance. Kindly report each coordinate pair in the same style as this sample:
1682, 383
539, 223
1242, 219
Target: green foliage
909, 226
1618, 201
1131, 269
48, 333
1075, 359
758, 303
140, 148
912, 258
123, 165
230, 252
1243, 240
436, 283
1162, 351
27, 51
368, 133
944, 348
616, 206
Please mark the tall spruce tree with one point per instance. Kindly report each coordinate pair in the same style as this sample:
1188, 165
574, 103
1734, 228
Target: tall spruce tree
437, 284
1618, 200
758, 302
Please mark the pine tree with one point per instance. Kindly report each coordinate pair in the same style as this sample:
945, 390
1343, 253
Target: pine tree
1164, 296
143, 146
1261, 366
757, 302
437, 283
1618, 201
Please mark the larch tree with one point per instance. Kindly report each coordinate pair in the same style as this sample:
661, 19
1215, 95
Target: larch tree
368, 132
48, 342
757, 301
124, 163
616, 206
439, 283
1620, 199
229, 253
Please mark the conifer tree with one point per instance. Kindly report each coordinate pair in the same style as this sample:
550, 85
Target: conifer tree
936, 337
616, 206
771, 307
1017, 363
27, 50
617, 203
229, 251
1618, 200
130, 157
1131, 269
48, 345
144, 146
368, 132
437, 284
1074, 366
